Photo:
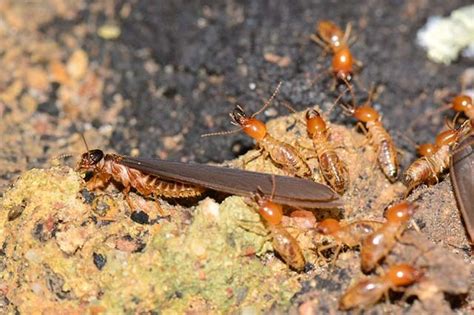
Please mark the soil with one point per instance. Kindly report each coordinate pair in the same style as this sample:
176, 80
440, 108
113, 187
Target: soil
174, 72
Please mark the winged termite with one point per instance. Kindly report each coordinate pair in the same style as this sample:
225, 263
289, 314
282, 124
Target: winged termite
461, 171
154, 177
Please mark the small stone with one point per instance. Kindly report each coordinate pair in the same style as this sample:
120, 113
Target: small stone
140, 217
77, 64
109, 31
99, 260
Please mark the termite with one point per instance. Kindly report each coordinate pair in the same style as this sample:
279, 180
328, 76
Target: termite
332, 167
429, 167
349, 234
461, 171
370, 290
332, 38
179, 180
378, 244
282, 241
386, 150
107, 168
281, 153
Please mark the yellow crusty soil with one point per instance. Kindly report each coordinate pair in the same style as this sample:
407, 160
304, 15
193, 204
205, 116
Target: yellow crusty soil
65, 253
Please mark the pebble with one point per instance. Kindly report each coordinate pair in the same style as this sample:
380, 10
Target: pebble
77, 64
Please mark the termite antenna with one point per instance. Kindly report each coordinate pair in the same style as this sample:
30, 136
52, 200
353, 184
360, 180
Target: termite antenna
289, 107
351, 89
84, 140
429, 114
220, 133
87, 147
373, 90
269, 101
345, 108
292, 110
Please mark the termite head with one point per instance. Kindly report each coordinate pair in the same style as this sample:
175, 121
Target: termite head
330, 33
251, 126
90, 160
461, 103
342, 65
403, 274
328, 226
314, 122
271, 212
400, 213
366, 114
426, 149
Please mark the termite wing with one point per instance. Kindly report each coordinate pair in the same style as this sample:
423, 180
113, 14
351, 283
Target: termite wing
291, 191
462, 178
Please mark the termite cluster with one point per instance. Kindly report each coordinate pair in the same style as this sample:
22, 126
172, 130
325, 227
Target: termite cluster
154, 178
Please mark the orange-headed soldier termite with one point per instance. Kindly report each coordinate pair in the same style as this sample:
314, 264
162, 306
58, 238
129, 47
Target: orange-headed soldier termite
333, 169
178, 180
282, 241
283, 154
378, 244
461, 170
429, 167
369, 290
381, 140
350, 234
332, 38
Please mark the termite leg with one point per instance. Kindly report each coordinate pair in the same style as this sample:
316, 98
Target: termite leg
326, 247
160, 209
361, 126
347, 33
415, 225
321, 43
98, 181
260, 152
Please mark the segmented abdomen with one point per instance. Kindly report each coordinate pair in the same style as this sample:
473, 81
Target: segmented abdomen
150, 185
386, 151
334, 170
287, 247
427, 168
286, 156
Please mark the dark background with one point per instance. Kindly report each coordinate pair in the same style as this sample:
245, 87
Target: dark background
208, 54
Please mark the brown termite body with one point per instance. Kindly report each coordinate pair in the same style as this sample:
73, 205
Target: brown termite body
368, 291
333, 39
283, 154
427, 168
331, 166
378, 244
154, 177
386, 150
107, 168
349, 234
282, 241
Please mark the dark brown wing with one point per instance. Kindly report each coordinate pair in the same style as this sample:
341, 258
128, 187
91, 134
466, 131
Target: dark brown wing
290, 191
462, 178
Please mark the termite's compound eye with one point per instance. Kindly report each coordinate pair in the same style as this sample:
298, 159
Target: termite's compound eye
95, 156
90, 159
